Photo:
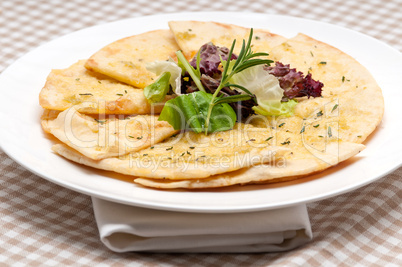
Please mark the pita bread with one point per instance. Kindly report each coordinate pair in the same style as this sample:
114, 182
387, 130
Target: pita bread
191, 35
352, 100
75, 84
107, 137
46, 116
294, 168
177, 158
125, 60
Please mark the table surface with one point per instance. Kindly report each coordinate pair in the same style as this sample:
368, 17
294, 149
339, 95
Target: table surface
44, 224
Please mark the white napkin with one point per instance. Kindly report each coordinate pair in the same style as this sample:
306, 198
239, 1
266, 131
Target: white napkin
126, 228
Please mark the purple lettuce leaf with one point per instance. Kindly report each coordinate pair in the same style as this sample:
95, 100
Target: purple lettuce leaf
210, 56
294, 83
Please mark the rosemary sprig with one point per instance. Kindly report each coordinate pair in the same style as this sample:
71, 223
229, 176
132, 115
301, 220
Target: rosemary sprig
202, 111
231, 99
245, 60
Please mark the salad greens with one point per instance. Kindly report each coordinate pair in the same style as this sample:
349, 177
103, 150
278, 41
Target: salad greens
194, 73
294, 83
245, 60
276, 108
156, 92
217, 82
266, 89
159, 67
190, 112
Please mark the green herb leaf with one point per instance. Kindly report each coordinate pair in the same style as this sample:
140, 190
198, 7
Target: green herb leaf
244, 89
232, 98
252, 62
259, 54
190, 112
100, 121
157, 91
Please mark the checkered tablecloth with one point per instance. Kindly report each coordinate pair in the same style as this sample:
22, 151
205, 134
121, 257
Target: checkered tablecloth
44, 224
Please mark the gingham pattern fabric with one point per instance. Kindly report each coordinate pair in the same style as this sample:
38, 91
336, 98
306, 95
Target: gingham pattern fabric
48, 225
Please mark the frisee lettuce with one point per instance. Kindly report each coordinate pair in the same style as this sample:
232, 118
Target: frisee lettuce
266, 89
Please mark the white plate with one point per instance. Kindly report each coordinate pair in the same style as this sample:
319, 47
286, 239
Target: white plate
22, 139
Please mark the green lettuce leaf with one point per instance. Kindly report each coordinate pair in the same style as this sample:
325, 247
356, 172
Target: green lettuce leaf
276, 109
156, 92
159, 67
190, 112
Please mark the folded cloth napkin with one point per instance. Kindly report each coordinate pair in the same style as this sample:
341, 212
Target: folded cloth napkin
126, 228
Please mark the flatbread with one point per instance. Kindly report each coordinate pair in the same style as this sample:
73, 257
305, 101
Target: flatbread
177, 158
102, 94
352, 100
107, 137
191, 35
265, 173
125, 60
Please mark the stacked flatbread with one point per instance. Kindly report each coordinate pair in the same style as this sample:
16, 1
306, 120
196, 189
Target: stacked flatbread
97, 109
